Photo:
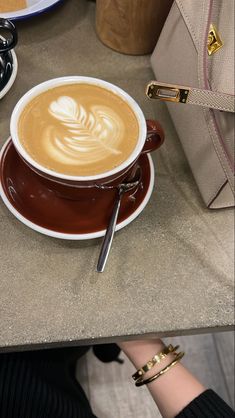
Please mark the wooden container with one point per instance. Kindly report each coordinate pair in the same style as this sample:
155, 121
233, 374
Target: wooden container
131, 26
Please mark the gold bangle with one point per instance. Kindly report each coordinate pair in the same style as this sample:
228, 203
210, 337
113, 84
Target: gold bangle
140, 382
156, 359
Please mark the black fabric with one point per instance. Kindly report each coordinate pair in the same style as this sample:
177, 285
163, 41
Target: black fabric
107, 352
207, 405
42, 384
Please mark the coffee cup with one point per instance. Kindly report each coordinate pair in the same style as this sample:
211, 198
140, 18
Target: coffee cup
8, 40
82, 135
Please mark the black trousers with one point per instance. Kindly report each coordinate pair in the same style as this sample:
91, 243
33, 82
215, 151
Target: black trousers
42, 384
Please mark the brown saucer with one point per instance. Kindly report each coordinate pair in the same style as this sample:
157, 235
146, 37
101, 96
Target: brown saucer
41, 209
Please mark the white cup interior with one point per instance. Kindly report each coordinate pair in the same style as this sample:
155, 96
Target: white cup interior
40, 88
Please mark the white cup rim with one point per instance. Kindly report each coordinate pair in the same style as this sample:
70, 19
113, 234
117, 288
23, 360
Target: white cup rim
40, 88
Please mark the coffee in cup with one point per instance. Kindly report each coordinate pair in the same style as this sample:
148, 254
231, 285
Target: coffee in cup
78, 129
81, 135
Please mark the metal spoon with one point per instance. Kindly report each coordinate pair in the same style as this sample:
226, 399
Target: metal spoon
108, 238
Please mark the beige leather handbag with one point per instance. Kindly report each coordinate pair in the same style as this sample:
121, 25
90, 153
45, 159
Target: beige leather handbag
195, 54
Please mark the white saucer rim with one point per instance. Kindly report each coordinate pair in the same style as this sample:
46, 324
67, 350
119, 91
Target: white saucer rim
8, 86
78, 237
30, 11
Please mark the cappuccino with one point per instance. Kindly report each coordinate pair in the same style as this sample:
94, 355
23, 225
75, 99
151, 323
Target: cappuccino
78, 129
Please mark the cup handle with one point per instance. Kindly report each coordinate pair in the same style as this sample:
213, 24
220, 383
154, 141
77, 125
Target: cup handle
10, 42
155, 136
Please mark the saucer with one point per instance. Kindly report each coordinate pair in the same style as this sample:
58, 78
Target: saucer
34, 8
9, 80
38, 207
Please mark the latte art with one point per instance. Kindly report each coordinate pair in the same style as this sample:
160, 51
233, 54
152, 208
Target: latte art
78, 129
90, 135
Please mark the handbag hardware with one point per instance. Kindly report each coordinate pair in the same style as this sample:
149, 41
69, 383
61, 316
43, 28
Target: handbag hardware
167, 92
214, 42
191, 95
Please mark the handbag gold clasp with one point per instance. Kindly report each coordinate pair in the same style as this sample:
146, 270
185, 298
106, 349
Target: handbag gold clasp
166, 92
214, 42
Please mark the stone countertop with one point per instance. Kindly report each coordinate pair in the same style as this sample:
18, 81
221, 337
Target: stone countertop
169, 272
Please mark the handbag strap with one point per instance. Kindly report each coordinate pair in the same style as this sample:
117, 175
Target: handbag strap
190, 95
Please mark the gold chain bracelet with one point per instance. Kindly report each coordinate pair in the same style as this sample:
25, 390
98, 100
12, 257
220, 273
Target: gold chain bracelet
141, 382
156, 359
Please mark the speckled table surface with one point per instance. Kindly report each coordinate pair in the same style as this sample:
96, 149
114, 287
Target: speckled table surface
169, 272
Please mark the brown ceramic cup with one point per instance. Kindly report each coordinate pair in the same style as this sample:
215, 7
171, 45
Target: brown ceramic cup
151, 136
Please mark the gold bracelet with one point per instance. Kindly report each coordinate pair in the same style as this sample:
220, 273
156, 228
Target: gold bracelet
156, 359
140, 382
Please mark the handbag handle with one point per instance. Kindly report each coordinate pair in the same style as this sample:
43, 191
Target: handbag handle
190, 95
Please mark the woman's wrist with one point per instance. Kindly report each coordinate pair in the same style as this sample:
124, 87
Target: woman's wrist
174, 389
139, 352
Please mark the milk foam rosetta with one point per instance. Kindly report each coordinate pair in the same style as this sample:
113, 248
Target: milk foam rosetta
89, 136
78, 129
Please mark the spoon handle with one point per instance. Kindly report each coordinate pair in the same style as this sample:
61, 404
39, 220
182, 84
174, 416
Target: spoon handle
108, 238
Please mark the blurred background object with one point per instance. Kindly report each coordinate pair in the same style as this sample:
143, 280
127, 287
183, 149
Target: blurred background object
131, 26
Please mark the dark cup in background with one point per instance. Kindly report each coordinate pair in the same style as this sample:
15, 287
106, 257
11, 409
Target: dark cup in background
8, 40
